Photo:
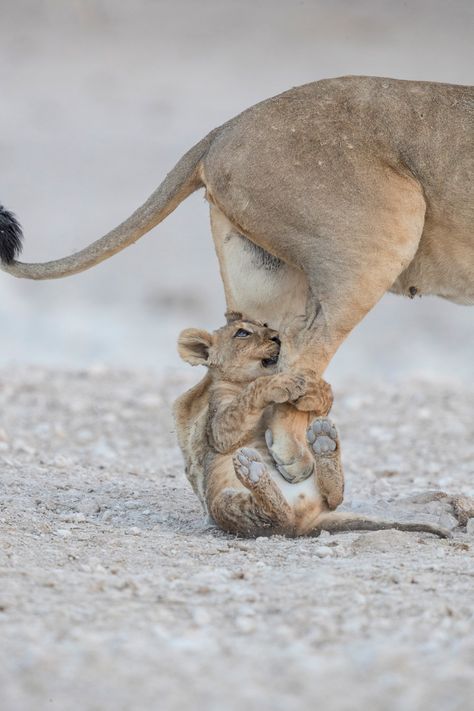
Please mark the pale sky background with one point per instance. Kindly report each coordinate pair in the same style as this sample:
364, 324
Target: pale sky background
99, 100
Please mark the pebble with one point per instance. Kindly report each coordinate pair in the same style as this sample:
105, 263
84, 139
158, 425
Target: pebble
103, 449
20, 445
63, 532
324, 551
133, 531
245, 624
201, 617
150, 401
88, 506
62, 462
84, 435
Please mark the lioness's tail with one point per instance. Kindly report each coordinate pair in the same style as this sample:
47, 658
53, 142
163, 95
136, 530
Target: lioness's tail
178, 184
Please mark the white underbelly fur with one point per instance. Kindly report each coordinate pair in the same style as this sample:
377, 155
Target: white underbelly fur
273, 296
292, 492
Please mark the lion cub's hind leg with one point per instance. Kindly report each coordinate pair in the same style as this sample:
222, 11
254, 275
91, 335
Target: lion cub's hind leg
323, 441
260, 510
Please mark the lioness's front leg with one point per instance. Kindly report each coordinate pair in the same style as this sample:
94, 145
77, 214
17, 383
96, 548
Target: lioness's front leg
284, 436
334, 260
231, 423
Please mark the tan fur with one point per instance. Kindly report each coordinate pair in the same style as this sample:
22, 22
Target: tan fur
322, 199
221, 425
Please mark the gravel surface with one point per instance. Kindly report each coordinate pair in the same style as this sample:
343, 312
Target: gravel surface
115, 595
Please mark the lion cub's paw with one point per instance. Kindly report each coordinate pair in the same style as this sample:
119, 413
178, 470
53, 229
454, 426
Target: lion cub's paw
324, 443
322, 436
286, 387
249, 467
317, 399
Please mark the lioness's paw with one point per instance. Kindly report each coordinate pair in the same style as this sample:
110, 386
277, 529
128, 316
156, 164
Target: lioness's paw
249, 466
294, 463
322, 436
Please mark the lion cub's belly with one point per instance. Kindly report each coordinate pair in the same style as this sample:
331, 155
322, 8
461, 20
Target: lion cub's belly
304, 494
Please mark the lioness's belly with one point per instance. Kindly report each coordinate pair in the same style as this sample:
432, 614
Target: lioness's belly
442, 266
256, 283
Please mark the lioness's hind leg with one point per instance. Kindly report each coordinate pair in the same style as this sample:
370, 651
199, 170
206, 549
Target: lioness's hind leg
323, 441
253, 474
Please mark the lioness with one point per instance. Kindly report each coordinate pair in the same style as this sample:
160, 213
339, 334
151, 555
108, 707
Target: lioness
221, 426
322, 199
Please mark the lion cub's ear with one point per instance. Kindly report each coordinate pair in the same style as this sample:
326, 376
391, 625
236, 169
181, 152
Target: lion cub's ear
193, 346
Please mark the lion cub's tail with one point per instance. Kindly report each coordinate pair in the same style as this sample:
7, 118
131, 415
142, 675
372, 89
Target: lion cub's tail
179, 183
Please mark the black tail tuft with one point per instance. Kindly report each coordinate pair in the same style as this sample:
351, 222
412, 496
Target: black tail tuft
10, 236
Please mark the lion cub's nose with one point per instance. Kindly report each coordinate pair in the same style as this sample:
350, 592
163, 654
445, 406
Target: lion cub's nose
276, 340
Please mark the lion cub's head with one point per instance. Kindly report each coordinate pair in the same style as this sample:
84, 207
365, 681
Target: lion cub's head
239, 352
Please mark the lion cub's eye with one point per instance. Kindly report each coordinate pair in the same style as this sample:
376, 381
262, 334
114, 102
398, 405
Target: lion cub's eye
242, 333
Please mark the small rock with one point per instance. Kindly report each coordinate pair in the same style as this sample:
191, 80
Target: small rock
20, 445
103, 449
463, 507
133, 531
245, 624
201, 617
88, 506
97, 370
62, 462
150, 401
63, 532
84, 435
324, 552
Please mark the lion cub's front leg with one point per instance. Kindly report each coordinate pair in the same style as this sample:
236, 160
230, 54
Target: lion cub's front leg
231, 423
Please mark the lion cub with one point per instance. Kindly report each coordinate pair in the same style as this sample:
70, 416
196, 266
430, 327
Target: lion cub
221, 425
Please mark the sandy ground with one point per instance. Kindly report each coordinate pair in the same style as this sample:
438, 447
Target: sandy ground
114, 594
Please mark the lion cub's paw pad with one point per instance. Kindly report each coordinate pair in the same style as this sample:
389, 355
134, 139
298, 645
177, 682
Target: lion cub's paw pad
322, 436
249, 466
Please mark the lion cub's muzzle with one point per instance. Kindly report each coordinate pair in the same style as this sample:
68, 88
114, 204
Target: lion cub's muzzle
272, 358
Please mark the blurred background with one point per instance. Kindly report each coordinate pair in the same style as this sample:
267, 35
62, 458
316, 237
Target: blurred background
98, 101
